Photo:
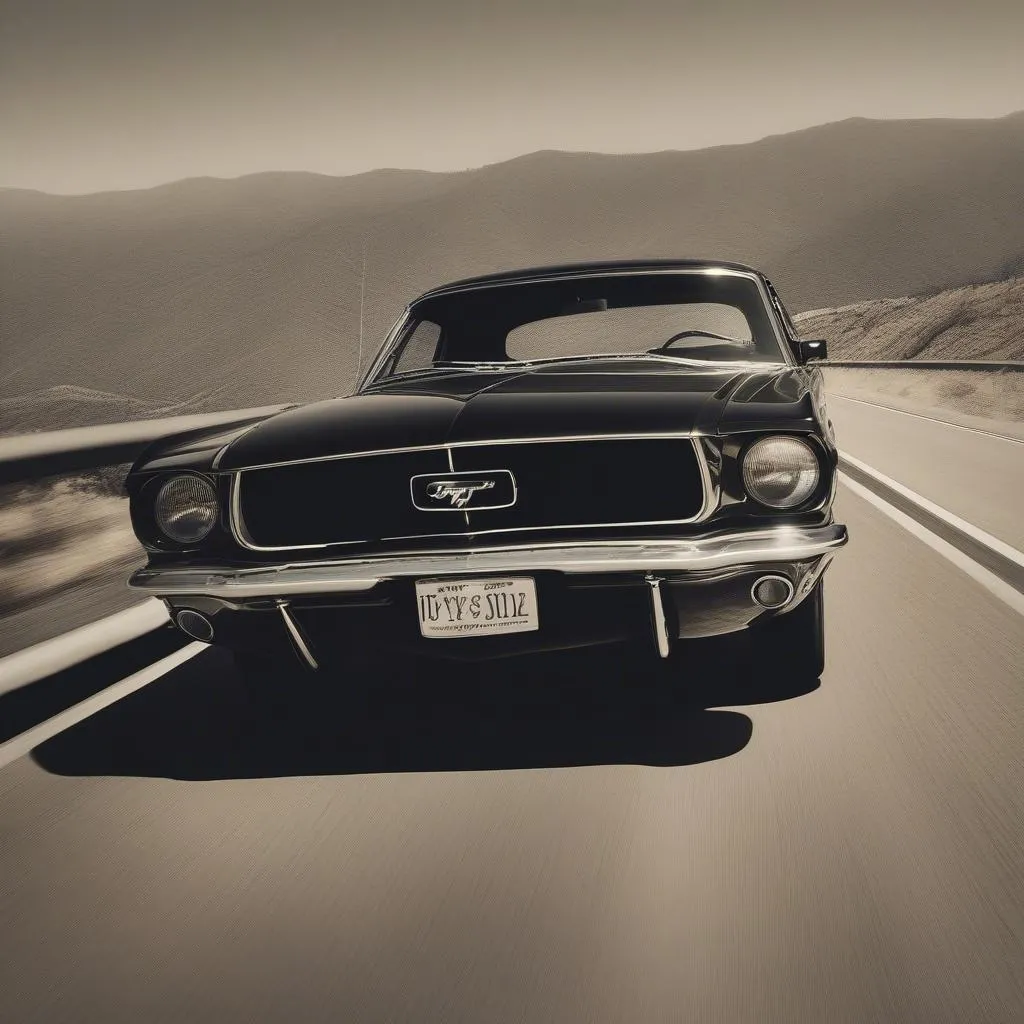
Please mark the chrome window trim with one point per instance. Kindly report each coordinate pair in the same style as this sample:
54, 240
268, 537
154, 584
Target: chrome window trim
711, 270
710, 490
385, 350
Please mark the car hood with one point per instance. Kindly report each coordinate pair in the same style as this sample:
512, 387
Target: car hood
562, 400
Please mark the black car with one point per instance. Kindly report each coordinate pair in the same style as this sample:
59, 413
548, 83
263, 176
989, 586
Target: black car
541, 459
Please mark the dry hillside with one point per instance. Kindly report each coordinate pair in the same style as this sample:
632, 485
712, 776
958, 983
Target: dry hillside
982, 321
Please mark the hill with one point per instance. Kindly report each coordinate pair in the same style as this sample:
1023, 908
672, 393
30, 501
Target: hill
247, 292
978, 321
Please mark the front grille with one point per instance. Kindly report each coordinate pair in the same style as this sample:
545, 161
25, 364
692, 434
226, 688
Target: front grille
559, 484
591, 483
340, 500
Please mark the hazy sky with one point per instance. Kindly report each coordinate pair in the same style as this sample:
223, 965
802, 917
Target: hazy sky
114, 94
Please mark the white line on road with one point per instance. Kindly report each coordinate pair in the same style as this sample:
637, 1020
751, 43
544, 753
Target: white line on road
931, 419
992, 583
20, 745
52, 656
985, 539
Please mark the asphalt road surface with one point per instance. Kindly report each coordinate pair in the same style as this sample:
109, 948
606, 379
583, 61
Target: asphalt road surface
976, 476
573, 840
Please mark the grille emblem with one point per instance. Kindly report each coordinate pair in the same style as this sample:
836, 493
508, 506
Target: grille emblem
457, 493
463, 491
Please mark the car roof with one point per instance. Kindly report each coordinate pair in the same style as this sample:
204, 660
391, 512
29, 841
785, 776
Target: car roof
584, 269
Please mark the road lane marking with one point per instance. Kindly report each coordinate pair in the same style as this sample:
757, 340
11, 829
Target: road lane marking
18, 746
931, 419
986, 540
989, 580
45, 659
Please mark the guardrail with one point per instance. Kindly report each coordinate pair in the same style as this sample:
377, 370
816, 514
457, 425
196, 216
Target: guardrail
28, 456
924, 364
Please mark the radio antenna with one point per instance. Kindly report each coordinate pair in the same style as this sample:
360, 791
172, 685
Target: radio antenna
362, 294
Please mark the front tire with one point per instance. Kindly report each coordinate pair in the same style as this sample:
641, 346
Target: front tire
792, 644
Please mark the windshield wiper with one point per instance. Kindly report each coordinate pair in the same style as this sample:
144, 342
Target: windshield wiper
424, 371
428, 372
642, 356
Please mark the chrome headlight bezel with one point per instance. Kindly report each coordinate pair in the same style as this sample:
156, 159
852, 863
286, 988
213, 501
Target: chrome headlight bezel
199, 501
806, 463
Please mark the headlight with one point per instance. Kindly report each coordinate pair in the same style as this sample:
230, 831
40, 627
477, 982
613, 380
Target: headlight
186, 508
781, 472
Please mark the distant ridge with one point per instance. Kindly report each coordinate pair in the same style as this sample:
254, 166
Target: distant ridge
246, 291
270, 174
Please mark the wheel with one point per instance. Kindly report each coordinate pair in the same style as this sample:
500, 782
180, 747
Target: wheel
793, 644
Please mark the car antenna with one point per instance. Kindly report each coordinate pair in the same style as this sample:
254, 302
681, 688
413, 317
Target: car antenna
362, 292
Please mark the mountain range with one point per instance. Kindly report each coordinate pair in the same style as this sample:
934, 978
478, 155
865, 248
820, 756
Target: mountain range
211, 293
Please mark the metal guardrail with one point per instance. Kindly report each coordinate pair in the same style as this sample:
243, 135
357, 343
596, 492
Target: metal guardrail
28, 456
924, 364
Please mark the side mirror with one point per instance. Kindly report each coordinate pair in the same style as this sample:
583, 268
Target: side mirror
808, 350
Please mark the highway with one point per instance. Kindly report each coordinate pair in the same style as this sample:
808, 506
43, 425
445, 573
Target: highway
978, 476
567, 840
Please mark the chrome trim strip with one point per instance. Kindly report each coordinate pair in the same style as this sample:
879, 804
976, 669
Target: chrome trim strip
449, 445
710, 269
451, 467
296, 634
711, 494
235, 522
658, 615
352, 575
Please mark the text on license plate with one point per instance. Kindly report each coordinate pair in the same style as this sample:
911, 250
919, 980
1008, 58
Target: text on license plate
477, 607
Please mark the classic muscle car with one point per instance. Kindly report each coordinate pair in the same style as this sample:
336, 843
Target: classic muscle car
540, 459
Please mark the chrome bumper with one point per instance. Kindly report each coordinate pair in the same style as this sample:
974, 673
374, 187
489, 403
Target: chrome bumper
351, 575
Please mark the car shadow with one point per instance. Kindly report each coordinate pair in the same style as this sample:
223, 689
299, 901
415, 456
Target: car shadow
599, 706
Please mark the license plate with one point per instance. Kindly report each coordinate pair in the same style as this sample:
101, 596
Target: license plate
453, 608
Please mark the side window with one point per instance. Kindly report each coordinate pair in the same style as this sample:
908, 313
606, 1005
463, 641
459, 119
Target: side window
419, 348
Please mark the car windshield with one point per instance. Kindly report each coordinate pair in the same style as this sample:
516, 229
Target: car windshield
679, 317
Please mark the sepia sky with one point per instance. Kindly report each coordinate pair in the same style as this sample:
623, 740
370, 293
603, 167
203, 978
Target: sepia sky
118, 94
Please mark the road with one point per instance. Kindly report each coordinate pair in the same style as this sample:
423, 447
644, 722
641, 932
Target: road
563, 843
976, 476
